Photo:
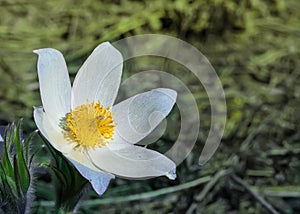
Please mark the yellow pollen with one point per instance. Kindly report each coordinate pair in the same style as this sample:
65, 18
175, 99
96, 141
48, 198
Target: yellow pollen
90, 125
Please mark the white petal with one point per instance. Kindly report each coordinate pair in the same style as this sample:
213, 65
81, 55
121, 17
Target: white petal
155, 135
52, 133
99, 77
129, 161
137, 116
55, 86
98, 179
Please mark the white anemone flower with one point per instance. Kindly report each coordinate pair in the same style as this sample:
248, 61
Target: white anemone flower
83, 124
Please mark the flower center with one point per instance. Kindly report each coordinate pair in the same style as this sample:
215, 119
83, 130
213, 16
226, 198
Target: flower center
89, 125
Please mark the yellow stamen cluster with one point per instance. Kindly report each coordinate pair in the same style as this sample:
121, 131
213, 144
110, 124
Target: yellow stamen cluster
90, 125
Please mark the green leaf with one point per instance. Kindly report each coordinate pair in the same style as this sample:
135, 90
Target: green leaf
26, 147
32, 156
23, 171
7, 166
59, 174
17, 180
9, 186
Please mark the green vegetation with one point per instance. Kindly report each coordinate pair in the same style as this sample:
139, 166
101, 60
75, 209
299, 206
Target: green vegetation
253, 46
17, 169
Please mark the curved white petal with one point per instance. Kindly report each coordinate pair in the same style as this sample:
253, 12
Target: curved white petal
99, 77
98, 179
155, 134
130, 161
55, 86
52, 133
137, 116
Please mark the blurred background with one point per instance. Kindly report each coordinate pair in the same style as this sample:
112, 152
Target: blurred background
253, 46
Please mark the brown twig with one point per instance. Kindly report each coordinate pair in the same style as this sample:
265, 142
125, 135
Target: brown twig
259, 198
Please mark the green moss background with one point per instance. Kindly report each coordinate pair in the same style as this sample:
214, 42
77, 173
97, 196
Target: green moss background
253, 46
